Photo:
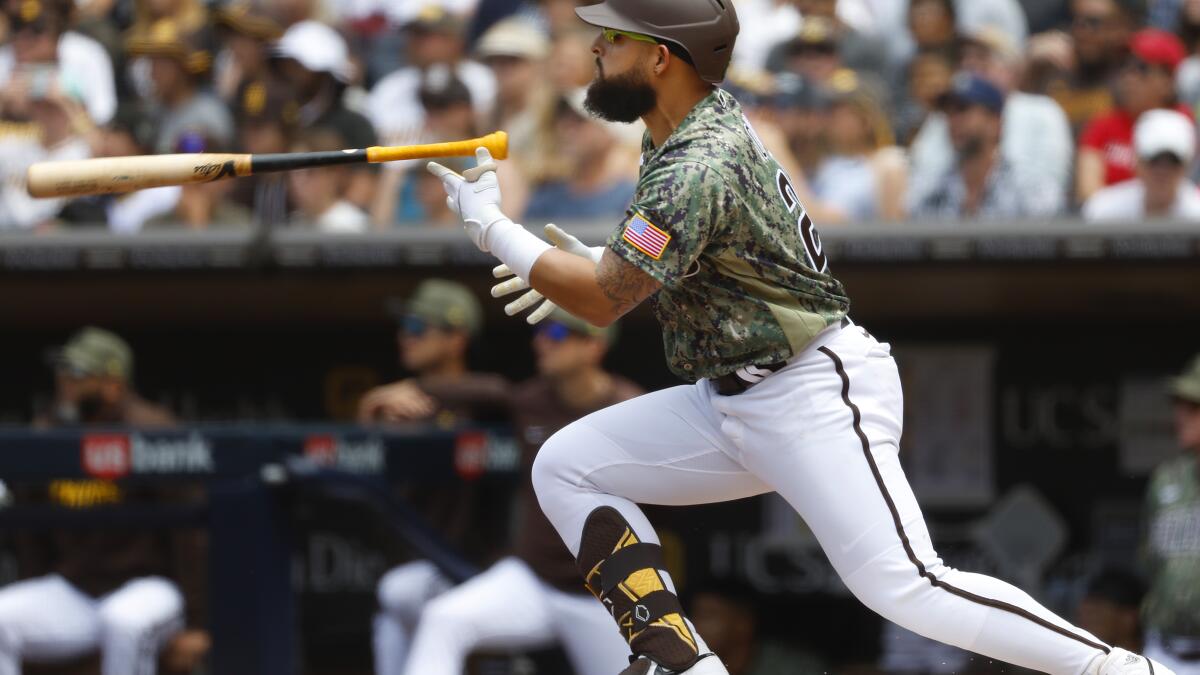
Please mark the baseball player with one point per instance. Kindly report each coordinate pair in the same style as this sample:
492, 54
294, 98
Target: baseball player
788, 394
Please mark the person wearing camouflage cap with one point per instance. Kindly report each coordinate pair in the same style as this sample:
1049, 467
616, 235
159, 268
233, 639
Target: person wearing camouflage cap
788, 395
538, 576
437, 324
124, 591
1171, 547
94, 384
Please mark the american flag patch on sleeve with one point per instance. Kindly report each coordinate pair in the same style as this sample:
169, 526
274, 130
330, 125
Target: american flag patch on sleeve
645, 237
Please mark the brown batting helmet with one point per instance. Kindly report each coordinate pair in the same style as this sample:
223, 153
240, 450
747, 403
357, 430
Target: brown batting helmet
705, 29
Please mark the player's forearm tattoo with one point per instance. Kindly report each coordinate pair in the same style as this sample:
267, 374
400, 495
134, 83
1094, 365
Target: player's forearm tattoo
624, 285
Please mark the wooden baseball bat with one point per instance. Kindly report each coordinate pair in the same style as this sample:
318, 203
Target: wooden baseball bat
124, 174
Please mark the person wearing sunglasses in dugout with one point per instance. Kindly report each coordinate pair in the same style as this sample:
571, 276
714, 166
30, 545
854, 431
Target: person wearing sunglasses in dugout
436, 327
788, 394
531, 598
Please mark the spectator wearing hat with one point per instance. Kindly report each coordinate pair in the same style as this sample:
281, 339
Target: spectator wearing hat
178, 64
246, 33
1035, 136
41, 50
1171, 544
317, 192
1146, 82
128, 592
314, 60
434, 36
94, 385
982, 183
51, 126
436, 326
863, 177
1165, 142
595, 184
516, 51
1077, 67
520, 602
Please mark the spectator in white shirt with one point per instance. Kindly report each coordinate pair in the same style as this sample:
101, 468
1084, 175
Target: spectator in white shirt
38, 36
1165, 142
434, 36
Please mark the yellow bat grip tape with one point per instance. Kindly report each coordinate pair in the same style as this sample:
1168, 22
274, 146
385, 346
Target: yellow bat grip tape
496, 143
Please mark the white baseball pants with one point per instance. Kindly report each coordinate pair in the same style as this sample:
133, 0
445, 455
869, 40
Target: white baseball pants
824, 433
507, 608
47, 619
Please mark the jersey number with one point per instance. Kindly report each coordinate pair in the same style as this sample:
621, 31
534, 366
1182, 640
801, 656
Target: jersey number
808, 233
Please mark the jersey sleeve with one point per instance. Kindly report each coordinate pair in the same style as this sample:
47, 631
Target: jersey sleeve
675, 212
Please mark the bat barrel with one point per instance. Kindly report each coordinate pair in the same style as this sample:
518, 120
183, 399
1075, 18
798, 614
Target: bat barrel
123, 174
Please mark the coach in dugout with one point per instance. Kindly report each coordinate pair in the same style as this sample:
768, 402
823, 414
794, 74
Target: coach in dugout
119, 591
1171, 548
533, 598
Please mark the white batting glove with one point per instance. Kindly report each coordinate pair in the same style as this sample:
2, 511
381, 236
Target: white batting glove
562, 240
474, 196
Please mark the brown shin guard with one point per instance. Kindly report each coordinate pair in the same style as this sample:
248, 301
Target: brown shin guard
624, 574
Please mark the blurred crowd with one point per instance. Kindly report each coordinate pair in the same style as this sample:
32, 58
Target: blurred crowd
138, 599
880, 110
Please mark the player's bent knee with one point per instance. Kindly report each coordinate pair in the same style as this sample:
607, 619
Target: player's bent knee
404, 589
558, 461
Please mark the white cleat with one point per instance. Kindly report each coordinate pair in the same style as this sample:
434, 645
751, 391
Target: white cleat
708, 664
1122, 662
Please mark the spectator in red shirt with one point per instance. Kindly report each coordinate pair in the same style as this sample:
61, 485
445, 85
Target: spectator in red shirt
1146, 82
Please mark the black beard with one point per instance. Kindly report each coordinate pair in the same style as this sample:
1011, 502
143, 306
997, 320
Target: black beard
620, 98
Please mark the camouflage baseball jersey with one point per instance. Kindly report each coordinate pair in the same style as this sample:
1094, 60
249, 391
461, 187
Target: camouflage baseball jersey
717, 221
1172, 549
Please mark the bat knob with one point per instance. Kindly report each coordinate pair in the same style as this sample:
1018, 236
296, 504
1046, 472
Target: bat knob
497, 144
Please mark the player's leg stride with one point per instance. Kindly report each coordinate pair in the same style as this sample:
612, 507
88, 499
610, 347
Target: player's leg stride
788, 396
623, 572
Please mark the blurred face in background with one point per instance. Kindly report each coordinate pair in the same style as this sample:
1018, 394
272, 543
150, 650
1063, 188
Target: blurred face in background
37, 43
1099, 30
805, 127
816, 61
247, 52
580, 140
425, 346
929, 78
86, 398
848, 129
450, 122
1142, 86
561, 352
1187, 425
432, 197
263, 136
315, 190
1161, 176
427, 47
516, 77
169, 77
303, 81
571, 64
930, 22
974, 129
